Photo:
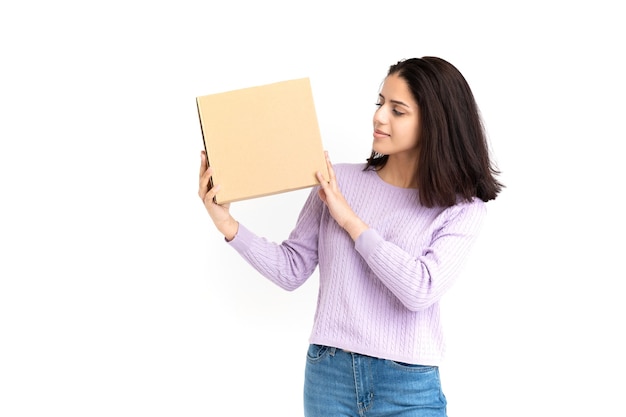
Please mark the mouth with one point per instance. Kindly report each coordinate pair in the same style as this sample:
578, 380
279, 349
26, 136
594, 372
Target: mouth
379, 134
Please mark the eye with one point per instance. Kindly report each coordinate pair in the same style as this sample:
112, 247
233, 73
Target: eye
397, 113
378, 104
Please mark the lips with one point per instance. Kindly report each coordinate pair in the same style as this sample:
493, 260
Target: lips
379, 134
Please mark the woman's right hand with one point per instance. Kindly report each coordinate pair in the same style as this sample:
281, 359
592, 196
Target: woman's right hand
219, 213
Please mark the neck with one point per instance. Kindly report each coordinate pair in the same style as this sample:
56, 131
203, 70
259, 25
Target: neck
399, 172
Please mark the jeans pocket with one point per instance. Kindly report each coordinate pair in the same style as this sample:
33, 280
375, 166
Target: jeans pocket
410, 367
316, 353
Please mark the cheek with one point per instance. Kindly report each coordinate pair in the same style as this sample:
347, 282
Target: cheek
413, 133
409, 133
416, 141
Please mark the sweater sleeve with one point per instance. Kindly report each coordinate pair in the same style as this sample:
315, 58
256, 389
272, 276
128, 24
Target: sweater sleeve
420, 281
290, 263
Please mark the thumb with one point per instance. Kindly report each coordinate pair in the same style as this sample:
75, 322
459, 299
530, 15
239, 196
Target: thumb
322, 194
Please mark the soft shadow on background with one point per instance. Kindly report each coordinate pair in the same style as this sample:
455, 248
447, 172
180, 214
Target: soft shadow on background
118, 297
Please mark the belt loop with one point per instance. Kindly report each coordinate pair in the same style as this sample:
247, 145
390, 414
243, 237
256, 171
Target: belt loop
332, 351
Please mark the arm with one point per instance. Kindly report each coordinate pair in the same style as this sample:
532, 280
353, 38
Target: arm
220, 214
337, 205
419, 281
290, 263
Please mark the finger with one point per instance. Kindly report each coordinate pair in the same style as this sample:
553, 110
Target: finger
203, 164
329, 166
205, 178
209, 198
320, 178
321, 194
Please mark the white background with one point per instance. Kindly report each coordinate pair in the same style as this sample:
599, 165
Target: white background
117, 295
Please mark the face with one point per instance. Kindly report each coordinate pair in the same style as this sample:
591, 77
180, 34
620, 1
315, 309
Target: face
396, 121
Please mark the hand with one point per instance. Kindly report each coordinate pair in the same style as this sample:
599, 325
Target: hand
337, 205
219, 213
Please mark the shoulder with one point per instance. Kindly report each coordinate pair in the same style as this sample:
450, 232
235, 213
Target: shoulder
472, 212
475, 204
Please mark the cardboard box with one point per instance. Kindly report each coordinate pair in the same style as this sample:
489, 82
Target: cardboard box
262, 140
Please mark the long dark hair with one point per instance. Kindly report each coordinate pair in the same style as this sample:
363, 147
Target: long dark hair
454, 156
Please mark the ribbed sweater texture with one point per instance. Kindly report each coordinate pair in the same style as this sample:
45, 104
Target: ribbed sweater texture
378, 295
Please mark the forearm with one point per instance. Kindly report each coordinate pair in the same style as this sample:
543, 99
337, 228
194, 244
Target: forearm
228, 228
288, 264
355, 226
417, 281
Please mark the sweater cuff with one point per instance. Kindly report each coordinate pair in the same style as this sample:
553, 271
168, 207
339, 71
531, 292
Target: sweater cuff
242, 239
367, 242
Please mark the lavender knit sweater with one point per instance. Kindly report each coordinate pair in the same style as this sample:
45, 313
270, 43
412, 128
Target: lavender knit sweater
378, 296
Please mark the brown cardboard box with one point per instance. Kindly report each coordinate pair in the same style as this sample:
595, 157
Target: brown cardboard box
262, 140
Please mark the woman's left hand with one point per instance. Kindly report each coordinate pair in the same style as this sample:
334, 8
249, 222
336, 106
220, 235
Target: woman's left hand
337, 205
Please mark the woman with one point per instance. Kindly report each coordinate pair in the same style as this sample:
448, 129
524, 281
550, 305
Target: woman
390, 236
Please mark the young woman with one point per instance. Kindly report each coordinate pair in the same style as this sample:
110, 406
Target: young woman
390, 237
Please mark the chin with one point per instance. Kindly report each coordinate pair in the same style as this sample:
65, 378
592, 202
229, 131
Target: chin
380, 149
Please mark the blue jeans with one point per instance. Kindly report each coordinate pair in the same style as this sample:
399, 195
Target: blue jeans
339, 383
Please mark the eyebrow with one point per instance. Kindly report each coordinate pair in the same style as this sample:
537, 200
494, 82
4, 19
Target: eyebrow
401, 103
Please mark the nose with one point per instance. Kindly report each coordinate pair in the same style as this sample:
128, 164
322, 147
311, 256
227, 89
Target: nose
380, 116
